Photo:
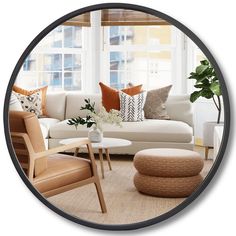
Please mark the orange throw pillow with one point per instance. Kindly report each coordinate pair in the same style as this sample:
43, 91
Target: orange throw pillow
29, 92
110, 96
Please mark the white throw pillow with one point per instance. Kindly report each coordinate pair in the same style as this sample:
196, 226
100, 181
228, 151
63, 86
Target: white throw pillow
131, 107
14, 104
31, 103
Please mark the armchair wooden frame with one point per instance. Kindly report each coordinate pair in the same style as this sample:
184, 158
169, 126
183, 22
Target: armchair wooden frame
23, 139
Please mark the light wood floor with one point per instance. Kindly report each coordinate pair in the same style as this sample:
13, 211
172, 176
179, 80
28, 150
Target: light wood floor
124, 204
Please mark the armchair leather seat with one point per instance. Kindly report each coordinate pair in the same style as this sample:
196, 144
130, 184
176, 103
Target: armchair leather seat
49, 171
62, 170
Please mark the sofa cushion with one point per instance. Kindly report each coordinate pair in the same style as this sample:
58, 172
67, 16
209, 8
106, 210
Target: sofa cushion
46, 124
74, 101
44, 131
179, 108
56, 105
145, 131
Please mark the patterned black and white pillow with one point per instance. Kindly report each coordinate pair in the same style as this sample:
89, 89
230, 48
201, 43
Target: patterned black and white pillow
31, 103
131, 107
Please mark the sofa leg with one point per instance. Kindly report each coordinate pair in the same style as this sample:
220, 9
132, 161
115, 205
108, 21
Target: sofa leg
206, 152
100, 197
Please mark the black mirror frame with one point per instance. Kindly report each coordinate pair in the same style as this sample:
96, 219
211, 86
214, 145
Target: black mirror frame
221, 152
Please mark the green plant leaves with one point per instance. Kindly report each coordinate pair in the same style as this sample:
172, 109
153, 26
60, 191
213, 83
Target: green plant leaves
88, 106
201, 69
201, 85
84, 121
89, 124
215, 88
201, 79
206, 81
204, 62
194, 96
206, 93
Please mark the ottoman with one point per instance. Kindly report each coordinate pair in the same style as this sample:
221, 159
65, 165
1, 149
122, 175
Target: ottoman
167, 172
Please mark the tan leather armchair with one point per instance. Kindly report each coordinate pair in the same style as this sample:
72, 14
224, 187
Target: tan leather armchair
49, 172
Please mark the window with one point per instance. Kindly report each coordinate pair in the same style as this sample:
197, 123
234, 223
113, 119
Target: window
139, 54
56, 61
194, 57
77, 58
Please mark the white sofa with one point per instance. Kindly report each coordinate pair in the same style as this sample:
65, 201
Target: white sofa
175, 133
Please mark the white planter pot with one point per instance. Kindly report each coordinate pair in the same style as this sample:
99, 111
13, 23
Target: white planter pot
95, 135
218, 134
208, 133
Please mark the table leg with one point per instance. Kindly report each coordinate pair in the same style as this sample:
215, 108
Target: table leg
76, 152
101, 161
108, 158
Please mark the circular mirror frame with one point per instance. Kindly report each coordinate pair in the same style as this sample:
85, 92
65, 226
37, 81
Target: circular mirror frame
219, 157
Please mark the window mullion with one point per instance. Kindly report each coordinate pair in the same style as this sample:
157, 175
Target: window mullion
62, 59
125, 51
148, 58
37, 69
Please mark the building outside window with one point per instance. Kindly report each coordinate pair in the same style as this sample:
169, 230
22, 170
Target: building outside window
56, 61
139, 54
150, 55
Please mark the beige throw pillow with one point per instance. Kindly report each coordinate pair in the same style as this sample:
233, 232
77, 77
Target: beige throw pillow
15, 104
154, 107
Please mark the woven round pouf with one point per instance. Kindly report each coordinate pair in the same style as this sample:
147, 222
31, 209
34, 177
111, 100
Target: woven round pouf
167, 172
166, 187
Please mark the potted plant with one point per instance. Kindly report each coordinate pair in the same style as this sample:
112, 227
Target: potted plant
95, 120
208, 87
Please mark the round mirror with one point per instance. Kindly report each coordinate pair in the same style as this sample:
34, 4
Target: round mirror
116, 116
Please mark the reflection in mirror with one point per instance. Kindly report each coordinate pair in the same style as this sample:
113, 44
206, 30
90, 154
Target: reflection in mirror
120, 100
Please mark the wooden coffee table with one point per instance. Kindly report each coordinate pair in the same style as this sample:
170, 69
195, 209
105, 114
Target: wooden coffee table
105, 145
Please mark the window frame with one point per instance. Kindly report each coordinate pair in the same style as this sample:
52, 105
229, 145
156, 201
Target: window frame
38, 51
125, 48
95, 54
